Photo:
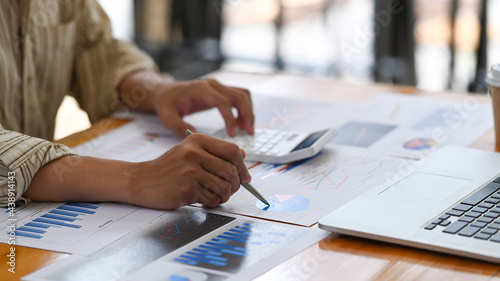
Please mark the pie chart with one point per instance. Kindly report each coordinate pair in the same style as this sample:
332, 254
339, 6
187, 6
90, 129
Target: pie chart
419, 144
284, 203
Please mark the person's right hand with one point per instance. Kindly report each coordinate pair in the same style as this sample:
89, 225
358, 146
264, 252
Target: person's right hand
201, 169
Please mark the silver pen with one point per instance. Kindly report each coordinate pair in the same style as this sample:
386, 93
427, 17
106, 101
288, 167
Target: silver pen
247, 186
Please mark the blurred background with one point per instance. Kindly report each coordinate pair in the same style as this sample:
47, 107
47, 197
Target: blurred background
430, 44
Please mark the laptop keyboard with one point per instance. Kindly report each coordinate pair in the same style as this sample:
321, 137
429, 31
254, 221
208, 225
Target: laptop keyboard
477, 216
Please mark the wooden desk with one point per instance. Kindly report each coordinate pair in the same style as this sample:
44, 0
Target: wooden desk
337, 257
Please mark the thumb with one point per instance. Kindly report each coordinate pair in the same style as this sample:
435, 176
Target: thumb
243, 153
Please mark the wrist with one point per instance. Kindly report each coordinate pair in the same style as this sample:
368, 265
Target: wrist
140, 89
132, 180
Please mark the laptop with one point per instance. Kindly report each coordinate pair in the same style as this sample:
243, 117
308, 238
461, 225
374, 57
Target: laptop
448, 203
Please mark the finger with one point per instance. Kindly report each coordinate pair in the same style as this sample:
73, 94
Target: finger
175, 123
226, 151
205, 196
213, 97
241, 99
218, 186
216, 165
228, 177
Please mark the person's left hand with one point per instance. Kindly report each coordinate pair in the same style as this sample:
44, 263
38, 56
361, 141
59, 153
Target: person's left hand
148, 90
172, 101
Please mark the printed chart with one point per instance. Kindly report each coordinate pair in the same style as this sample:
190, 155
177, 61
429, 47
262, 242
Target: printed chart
72, 227
240, 245
185, 243
284, 203
362, 134
311, 188
64, 216
420, 144
421, 125
139, 140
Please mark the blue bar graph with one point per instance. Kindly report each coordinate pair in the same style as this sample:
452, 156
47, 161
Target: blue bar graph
226, 246
223, 250
39, 225
186, 261
233, 238
219, 240
208, 252
64, 216
242, 236
228, 249
204, 260
244, 228
30, 229
217, 258
56, 217
240, 231
27, 234
56, 222
64, 213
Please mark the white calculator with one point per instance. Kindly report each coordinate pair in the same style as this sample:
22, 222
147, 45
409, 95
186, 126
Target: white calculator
276, 146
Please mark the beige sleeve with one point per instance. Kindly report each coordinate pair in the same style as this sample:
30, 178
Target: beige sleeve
102, 62
21, 156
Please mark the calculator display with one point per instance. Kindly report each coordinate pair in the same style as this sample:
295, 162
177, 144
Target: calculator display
310, 140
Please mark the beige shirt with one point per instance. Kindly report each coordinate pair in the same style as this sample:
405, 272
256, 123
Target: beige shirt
48, 49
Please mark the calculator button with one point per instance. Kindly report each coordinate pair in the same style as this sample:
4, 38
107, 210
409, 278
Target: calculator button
274, 141
263, 150
274, 152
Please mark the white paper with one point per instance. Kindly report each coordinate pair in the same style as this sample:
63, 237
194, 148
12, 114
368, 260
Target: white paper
166, 247
302, 193
71, 228
142, 139
412, 127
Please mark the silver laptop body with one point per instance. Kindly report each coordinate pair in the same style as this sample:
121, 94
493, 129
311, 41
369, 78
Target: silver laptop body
400, 210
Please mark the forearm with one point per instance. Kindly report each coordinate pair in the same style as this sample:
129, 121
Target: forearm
80, 178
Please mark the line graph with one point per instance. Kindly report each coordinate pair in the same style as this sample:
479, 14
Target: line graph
321, 173
338, 175
318, 186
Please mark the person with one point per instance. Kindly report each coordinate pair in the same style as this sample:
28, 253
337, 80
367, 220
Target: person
51, 48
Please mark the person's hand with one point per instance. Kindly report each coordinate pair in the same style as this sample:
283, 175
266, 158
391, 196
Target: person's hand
201, 169
149, 91
175, 100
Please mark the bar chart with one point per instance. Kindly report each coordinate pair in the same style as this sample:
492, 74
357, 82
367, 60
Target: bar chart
64, 216
72, 227
237, 246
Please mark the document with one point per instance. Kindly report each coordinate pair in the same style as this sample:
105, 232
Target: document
143, 138
188, 244
412, 127
305, 191
75, 228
